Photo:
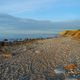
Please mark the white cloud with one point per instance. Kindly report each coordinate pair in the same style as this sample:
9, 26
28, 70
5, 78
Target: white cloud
16, 6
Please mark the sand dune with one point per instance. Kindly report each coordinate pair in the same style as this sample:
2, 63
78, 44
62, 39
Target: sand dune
71, 33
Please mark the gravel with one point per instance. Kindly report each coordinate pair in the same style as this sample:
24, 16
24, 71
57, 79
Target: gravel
37, 61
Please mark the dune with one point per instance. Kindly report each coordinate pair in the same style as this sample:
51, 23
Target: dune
71, 33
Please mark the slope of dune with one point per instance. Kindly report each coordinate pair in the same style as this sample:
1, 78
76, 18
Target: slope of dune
71, 33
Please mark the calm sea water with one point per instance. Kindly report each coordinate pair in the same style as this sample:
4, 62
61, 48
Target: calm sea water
25, 36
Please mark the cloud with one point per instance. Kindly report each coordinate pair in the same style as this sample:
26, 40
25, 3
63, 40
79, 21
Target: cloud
41, 9
16, 6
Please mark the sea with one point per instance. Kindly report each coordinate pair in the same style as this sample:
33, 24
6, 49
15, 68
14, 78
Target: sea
12, 37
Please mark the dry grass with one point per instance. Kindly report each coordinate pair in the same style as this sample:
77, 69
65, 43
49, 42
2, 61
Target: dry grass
71, 33
6, 56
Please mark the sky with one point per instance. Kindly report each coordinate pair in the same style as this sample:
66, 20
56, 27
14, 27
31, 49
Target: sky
55, 10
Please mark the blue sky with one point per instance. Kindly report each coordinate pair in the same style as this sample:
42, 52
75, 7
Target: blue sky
55, 10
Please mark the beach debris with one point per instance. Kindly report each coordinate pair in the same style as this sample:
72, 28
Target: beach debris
7, 56
72, 71
70, 67
37, 51
59, 71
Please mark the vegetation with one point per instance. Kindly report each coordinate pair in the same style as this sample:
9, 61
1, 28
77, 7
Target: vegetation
71, 33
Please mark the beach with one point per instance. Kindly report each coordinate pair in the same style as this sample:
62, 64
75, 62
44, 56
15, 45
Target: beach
37, 59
